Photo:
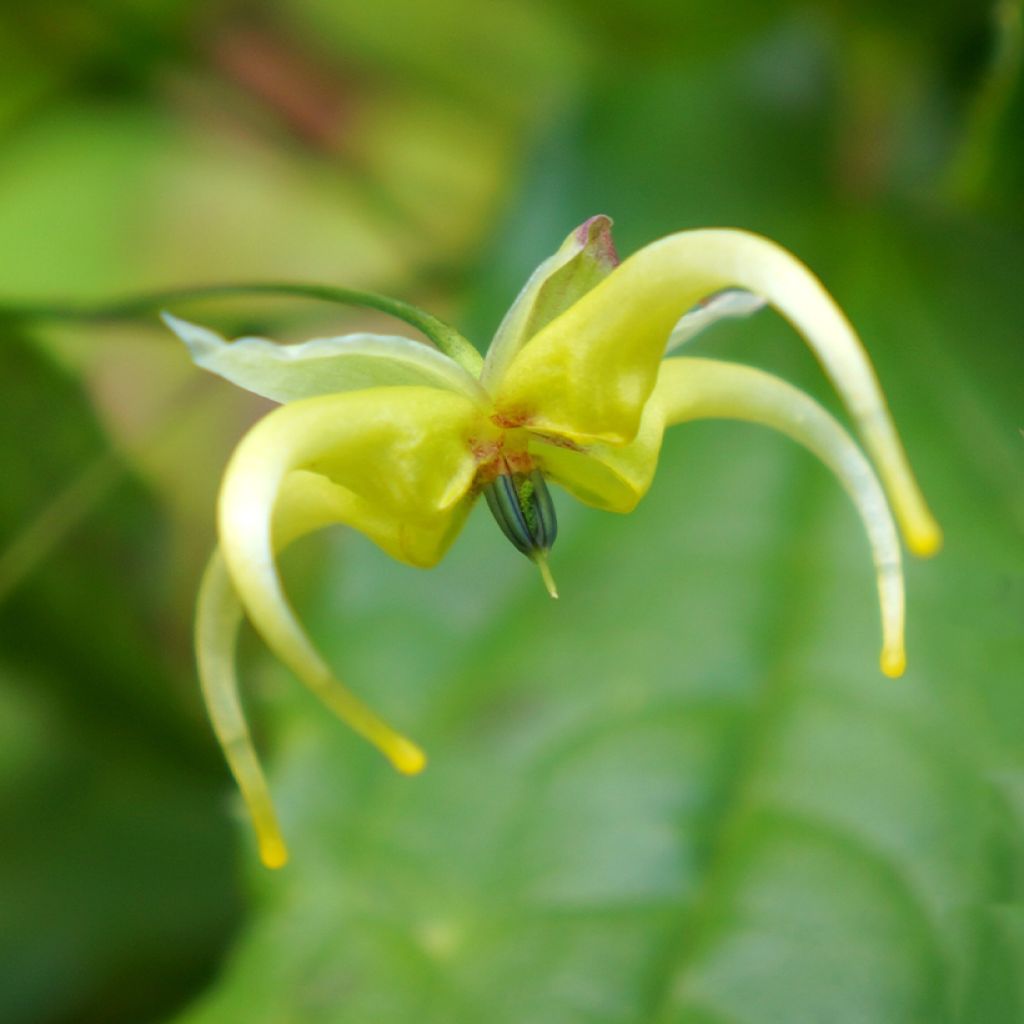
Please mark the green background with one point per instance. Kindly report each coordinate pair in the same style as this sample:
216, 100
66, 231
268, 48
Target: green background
683, 793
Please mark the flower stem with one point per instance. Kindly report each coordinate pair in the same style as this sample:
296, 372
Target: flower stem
446, 338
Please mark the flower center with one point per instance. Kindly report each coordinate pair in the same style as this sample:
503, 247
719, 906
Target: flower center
518, 496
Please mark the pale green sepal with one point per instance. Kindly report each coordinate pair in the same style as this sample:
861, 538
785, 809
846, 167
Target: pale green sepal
323, 366
584, 259
732, 304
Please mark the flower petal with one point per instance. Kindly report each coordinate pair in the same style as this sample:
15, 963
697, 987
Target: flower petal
309, 501
218, 616
585, 258
609, 477
691, 389
306, 502
588, 374
323, 366
401, 463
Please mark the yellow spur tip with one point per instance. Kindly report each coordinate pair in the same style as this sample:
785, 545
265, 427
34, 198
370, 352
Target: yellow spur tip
273, 853
406, 756
925, 543
894, 663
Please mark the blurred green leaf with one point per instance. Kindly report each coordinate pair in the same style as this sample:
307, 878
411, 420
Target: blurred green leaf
509, 64
115, 861
685, 793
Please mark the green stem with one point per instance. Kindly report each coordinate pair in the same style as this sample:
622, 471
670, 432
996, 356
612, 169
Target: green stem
447, 339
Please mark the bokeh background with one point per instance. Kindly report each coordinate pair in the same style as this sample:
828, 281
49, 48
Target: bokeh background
682, 794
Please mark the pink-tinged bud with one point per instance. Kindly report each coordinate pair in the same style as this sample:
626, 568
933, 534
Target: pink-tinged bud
583, 261
594, 235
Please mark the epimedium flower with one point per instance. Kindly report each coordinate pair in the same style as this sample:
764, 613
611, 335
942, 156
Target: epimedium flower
397, 439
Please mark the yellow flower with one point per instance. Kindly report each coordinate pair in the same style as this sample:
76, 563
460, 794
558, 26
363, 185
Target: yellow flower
397, 439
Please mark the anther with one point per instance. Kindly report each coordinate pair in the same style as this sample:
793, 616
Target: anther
522, 506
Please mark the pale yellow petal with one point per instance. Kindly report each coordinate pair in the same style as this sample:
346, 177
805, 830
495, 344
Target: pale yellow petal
306, 502
405, 453
218, 616
309, 501
589, 373
690, 389
610, 477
